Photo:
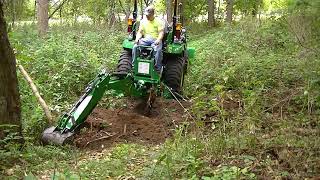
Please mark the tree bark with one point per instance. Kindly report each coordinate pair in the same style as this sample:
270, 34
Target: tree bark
13, 13
256, 6
211, 14
141, 8
43, 17
112, 13
218, 11
182, 17
229, 9
169, 11
254, 11
10, 112
125, 10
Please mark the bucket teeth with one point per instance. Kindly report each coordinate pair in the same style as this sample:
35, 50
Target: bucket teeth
50, 136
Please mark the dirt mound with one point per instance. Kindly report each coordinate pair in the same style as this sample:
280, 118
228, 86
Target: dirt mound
104, 127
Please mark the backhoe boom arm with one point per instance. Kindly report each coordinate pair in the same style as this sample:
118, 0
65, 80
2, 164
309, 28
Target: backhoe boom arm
70, 121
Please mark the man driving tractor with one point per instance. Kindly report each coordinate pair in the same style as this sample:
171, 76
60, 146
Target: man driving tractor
141, 81
150, 33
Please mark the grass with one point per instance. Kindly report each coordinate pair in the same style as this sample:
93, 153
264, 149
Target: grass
255, 95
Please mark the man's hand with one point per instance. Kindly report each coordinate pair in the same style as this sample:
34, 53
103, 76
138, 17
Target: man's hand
160, 37
157, 42
136, 41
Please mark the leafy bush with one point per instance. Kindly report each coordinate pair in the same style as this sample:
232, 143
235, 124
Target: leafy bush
252, 67
61, 65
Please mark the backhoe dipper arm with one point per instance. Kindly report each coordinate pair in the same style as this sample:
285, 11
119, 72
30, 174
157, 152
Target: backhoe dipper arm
87, 102
70, 121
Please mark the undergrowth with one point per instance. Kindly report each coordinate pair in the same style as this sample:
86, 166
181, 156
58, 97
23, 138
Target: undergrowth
61, 65
255, 96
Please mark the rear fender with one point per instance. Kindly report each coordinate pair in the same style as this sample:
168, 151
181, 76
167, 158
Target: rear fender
176, 49
127, 44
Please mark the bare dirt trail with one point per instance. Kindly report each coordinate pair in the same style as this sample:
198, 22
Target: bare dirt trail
106, 127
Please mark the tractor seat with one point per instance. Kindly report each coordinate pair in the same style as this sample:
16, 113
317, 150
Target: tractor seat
145, 52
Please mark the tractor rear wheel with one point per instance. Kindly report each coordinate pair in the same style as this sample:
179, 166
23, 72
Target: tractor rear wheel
125, 63
174, 73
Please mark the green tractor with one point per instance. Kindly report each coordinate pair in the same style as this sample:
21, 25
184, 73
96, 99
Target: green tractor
139, 79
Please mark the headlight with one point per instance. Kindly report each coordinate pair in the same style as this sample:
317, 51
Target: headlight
143, 68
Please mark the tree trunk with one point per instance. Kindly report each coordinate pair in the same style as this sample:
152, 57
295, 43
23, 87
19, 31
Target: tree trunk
112, 13
256, 8
35, 9
125, 9
10, 112
182, 15
254, 11
211, 18
229, 9
13, 13
141, 8
43, 17
169, 11
218, 11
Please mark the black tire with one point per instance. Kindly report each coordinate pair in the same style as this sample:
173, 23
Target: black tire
125, 63
174, 73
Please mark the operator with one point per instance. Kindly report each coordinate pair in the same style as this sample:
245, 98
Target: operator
150, 33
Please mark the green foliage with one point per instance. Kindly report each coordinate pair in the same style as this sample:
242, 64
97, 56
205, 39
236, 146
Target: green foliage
304, 22
34, 159
113, 164
228, 173
61, 66
194, 8
252, 69
15, 10
190, 156
248, 7
107, 164
254, 89
96, 9
179, 158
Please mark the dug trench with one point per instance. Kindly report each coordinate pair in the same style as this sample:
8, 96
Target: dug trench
107, 127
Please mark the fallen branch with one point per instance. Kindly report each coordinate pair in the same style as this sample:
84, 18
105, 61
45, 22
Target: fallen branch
36, 93
101, 138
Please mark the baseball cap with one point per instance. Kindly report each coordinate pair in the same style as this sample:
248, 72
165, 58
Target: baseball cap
149, 10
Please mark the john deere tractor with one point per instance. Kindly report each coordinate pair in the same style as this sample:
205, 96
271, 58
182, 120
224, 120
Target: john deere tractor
138, 79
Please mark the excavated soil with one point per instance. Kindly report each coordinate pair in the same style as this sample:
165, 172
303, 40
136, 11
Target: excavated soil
105, 127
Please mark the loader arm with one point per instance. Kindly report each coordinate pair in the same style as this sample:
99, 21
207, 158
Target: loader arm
95, 90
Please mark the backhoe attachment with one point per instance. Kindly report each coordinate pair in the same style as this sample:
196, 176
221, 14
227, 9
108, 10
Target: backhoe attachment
70, 121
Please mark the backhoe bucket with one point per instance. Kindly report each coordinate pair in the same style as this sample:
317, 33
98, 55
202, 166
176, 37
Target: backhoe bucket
50, 136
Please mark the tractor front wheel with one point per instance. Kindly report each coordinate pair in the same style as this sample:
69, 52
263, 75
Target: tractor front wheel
174, 73
125, 63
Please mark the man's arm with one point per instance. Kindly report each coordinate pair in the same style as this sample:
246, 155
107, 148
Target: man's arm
139, 35
161, 34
